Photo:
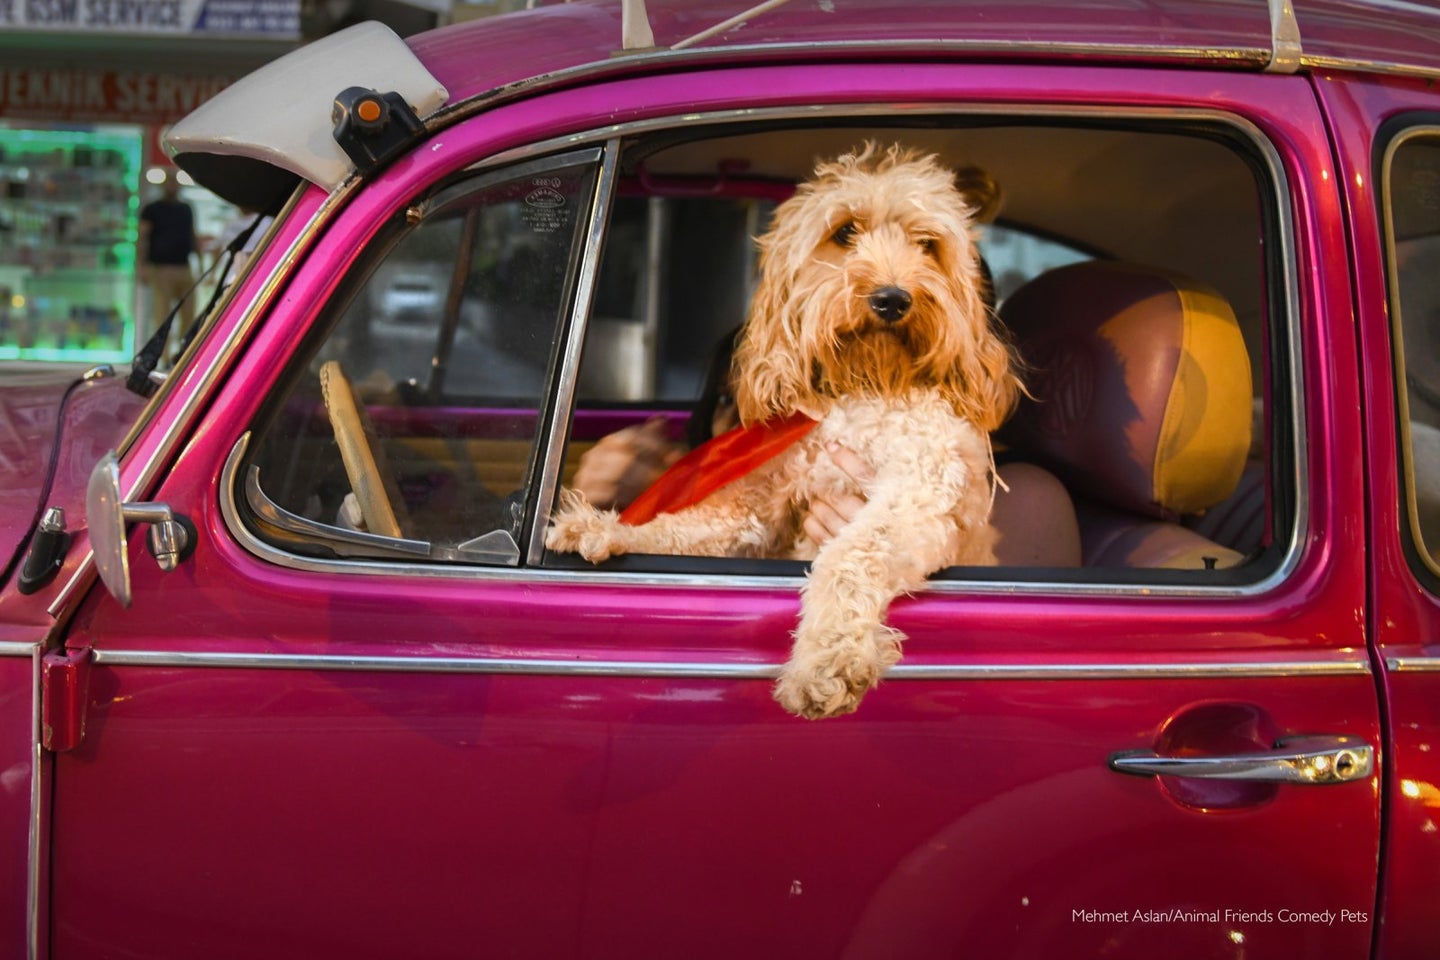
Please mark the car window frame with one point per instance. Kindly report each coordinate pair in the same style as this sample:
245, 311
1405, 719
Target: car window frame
1391, 138
239, 508
1283, 376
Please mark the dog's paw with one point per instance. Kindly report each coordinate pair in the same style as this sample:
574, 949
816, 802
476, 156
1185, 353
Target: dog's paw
829, 677
577, 527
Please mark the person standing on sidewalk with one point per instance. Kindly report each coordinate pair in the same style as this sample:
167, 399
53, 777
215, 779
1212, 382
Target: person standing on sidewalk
167, 239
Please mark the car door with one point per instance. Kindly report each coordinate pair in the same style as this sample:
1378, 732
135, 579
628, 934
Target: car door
1394, 253
312, 738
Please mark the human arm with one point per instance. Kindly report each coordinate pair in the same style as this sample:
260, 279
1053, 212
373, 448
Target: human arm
623, 464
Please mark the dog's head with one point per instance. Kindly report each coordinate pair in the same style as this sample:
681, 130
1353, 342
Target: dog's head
870, 282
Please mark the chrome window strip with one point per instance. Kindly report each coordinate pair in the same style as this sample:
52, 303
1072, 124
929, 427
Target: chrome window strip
18, 648
1286, 56
1279, 183
759, 55
1412, 664
1356, 65
559, 426
36, 879
729, 671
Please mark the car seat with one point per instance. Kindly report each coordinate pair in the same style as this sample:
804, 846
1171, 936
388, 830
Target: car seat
1140, 402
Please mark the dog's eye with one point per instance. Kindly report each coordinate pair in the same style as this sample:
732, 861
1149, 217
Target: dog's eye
844, 236
930, 245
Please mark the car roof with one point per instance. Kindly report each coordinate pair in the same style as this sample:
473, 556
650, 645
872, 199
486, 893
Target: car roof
531, 46
252, 141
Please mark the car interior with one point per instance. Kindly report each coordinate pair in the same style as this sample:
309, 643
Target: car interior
1135, 266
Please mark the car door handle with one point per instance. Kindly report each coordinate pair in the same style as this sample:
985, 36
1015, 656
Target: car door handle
1303, 760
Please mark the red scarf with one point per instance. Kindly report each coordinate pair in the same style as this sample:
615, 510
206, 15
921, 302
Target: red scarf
714, 464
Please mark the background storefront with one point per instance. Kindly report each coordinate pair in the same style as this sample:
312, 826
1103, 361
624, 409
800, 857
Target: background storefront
68, 207
87, 88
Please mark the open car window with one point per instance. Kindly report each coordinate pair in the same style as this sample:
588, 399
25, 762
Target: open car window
1147, 308
1135, 268
412, 432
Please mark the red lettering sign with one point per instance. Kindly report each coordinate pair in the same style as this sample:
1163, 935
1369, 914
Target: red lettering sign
109, 96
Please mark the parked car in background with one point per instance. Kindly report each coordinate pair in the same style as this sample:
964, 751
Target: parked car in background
287, 671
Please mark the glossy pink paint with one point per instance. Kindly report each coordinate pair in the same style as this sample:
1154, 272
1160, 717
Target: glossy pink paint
480, 764
514, 807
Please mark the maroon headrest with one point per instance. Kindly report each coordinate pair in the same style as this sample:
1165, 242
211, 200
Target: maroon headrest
1141, 386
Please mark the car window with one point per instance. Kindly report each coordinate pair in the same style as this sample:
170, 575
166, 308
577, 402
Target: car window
1161, 252
1016, 256
669, 255
1413, 209
412, 431
419, 427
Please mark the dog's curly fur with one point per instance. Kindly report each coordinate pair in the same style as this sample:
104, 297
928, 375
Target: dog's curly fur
870, 317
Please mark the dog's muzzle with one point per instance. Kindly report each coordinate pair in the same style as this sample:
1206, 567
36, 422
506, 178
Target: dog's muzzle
890, 303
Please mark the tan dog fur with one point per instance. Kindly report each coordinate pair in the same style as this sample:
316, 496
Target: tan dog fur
916, 397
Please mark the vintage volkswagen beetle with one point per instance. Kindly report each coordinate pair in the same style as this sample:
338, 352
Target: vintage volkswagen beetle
299, 732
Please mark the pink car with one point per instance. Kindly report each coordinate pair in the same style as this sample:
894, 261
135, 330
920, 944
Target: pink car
286, 669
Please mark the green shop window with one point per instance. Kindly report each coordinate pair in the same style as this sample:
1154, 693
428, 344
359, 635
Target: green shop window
69, 204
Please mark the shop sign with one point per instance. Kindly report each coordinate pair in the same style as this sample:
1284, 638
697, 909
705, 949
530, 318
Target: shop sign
102, 96
279, 19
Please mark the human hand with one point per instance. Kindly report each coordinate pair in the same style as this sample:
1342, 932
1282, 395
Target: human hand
620, 466
828, 515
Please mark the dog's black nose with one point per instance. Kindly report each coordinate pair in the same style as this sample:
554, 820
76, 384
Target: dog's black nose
890, 303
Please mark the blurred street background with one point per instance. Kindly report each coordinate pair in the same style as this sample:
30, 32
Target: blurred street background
87, 88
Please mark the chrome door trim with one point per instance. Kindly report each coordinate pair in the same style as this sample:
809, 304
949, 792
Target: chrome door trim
1412, 664
36, 877
1290, 324
558, 430
18, 648
740, 670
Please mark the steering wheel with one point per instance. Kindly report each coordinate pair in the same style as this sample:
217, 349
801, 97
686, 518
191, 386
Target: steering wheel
358, 449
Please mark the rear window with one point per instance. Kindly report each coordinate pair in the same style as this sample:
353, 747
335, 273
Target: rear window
1412, 202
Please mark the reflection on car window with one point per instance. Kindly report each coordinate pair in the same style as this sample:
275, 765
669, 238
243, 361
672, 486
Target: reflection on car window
417, 417
1414, 211
668, 256
1016, 257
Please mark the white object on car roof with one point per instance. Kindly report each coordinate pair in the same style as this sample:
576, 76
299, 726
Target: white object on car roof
249, 142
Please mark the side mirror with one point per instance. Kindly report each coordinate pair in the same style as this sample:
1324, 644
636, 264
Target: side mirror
172, 535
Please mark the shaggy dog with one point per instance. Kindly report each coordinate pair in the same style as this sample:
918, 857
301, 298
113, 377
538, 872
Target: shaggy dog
869, 319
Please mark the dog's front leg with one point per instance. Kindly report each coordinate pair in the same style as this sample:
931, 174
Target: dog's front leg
842, 643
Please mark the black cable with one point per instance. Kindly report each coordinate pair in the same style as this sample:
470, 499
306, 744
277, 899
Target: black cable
149, 356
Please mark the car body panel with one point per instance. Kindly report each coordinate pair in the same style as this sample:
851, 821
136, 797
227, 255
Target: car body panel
562, 725
290, 756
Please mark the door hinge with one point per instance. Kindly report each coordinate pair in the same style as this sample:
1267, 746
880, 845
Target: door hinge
64, 691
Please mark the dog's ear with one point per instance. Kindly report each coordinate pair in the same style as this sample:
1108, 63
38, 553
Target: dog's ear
768, 372
984, 382
982, 193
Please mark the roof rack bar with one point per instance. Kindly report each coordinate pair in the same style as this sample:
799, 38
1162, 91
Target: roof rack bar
734, 21
635, 32
1285, 49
